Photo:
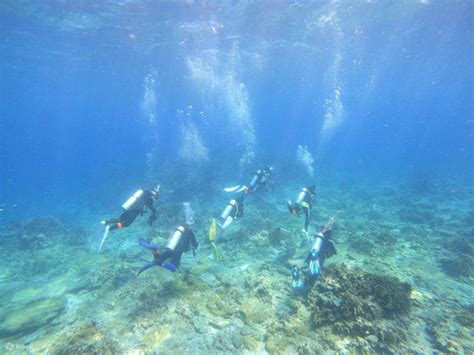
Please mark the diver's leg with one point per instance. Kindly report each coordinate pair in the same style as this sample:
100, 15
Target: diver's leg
176, 257
128, 217
306, 218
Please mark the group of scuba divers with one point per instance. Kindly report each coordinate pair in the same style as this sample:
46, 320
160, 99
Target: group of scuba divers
184, 239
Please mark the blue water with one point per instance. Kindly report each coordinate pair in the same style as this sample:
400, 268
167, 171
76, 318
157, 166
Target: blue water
100, 98
73, 77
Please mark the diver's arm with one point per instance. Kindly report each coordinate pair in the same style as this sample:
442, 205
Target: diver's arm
194, 242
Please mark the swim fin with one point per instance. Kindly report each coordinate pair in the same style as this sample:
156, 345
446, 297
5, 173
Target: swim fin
146, 267
212, 239
232, 189
104, 237
148, 245
212, 230
169, 265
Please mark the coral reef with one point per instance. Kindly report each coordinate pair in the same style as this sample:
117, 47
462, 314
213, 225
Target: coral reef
359, 304
79, 301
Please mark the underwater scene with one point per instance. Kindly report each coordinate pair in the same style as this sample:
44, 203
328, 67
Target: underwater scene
236, 177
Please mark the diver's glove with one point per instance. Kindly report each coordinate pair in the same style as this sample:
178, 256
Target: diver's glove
295, 273
314, 267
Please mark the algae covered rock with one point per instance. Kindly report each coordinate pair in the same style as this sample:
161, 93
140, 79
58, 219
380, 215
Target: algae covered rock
31, 317
85, 339
41, 232
457, 266
359, 304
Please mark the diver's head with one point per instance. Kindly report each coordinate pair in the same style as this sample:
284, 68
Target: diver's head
156, 190
312, 189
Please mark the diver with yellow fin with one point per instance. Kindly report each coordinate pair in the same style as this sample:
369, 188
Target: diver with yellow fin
234, 210
303, 202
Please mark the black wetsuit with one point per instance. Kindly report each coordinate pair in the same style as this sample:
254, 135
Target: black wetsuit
143, 203
261, 178
304, 205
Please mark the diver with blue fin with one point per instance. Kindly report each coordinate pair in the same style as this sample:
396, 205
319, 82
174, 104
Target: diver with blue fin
137, 205
303, 203
322, 248
262, 178
169, 257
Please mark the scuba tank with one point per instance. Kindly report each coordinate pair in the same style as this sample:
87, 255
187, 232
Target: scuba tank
175, 238
318, 242
132, 200
253, 183
301, 195
229, 208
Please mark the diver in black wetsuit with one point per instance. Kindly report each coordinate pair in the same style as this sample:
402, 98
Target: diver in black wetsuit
304, 202
322, 248
137, 204
169, 257
261, 178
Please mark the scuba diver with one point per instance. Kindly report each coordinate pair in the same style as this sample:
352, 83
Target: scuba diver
234, 210
303, 202
322, 248
261, 178
137, 204
169, 257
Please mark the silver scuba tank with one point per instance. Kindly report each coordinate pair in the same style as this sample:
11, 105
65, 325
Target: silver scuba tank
175, 238
318, 242
132, 200
301, 195
228, 210
253, 183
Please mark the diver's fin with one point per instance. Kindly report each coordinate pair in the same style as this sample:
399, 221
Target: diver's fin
146, 267
233, 189
212, 239
169, 265
104, 237
212, 230
148, 245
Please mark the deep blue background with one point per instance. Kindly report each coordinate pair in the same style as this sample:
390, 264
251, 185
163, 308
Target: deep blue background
72, 81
